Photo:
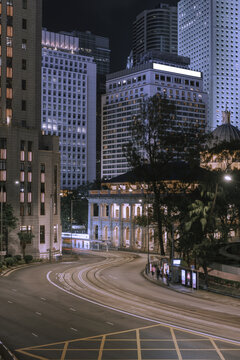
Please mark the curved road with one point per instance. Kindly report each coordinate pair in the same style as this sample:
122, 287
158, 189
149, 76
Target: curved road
102, 294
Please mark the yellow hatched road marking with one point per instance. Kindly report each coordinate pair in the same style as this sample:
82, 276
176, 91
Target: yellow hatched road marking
64, 350
101, 347
217, 349
176, 344
138, 345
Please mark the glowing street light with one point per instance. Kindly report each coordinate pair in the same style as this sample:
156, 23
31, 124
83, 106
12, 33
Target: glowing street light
227, 177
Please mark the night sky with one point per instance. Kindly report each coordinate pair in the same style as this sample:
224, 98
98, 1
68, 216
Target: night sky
110, 18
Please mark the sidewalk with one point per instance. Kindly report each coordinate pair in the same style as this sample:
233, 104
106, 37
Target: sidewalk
217, 289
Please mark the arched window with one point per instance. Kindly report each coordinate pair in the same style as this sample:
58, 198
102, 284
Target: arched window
138, 211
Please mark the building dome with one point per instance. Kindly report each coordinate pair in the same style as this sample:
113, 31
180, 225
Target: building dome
225, 132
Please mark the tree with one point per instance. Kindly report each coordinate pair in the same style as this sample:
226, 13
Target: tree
9, 222
79, 201
25, 238
157, 140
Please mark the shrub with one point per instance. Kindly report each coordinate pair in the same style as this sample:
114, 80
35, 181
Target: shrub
9, 261
28, 258
18, 258
1, 264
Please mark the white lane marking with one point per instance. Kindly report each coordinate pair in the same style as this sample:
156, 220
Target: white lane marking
35, 335
73, 329
72, 309
113, 277
14, 290
38, 313
109, 323
138, 316
10, 302
43, 299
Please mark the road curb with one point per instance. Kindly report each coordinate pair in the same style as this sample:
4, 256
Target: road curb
6, 354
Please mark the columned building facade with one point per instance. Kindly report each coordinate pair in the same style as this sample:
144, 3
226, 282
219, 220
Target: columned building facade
112, 217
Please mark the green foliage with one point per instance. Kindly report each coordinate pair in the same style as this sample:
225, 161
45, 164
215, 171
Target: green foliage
155, 143
28, 258
79, 207
17, 258
25, 238
9, 261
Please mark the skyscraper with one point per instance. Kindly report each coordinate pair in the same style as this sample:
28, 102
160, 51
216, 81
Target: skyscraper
209, 34
29, 162
69, 106
127, 89
155, 29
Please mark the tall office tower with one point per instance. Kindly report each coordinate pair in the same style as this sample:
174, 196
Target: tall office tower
30, 162
69, 106
155, 29
98, 47
208, 33
125, 92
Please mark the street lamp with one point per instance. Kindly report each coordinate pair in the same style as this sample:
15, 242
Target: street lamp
227, 178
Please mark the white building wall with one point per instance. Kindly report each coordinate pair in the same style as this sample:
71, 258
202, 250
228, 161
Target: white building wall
69, 106
208, 33
124, 95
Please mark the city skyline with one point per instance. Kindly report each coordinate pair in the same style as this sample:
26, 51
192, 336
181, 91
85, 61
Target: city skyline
101, 18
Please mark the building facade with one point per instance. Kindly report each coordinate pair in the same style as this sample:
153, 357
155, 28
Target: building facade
155, 29
69, 106
112, 217
29, 162
127, 89
208, 33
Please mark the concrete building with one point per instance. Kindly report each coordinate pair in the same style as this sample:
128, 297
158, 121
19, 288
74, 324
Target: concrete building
97, 47
125, 92
29, 162
155, 29
69, 106
208, 33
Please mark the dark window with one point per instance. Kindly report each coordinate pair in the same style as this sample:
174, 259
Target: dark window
162, 78
42, 209
22, 145
3, 143
24, 4
9, 62
8, 103
24, 85
9, 83
30, 145
95, 209
24, 64
24, 105
42, 234
29, 207
24, 24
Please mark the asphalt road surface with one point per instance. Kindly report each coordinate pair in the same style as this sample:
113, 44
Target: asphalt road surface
101, 307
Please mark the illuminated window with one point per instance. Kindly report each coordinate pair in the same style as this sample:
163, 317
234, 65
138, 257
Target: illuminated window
24, 44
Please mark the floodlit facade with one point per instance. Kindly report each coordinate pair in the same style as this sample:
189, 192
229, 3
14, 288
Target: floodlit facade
155, 29
125, 92
208, 33
29, 162
69, 106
